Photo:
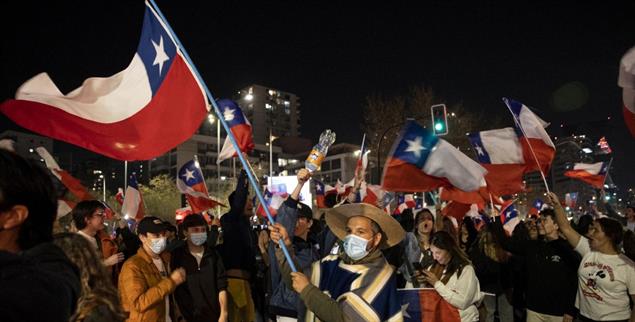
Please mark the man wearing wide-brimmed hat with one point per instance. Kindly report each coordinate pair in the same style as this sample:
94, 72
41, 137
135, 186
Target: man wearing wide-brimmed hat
358, 284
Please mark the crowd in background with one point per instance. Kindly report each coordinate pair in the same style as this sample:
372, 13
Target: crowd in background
349, 261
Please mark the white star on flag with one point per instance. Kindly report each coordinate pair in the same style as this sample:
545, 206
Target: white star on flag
228, 114
404, 310
479, 150
415, 146
161, 57
188, 175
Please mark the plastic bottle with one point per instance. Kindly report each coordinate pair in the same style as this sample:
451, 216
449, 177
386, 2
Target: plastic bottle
314, 160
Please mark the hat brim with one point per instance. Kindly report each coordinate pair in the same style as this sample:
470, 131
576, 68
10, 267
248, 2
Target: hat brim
337, 218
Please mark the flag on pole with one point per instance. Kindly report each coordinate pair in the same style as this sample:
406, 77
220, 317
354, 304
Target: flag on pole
73, 185
420, 161
426, 305
509, 217
137, 114
536, 143
133, 202
536, 207
626, 80
500, 152
119, 196
240, 127
319, 193
593, 173
191, 183
273, 200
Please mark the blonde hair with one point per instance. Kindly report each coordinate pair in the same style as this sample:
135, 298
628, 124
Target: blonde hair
97, 288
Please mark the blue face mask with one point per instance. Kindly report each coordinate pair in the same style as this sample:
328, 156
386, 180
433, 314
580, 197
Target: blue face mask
158, 245
355, 247
198, 239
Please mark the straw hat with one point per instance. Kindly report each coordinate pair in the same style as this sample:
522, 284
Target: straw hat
336, 219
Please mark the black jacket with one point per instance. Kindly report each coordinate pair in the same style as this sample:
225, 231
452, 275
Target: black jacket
198, 296
552, 278
238, 247
40, 284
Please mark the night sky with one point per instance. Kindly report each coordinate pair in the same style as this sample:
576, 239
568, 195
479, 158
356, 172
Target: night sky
334, 56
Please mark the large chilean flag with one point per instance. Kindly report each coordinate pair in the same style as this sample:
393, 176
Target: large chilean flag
536, 143
627, 82
137, 114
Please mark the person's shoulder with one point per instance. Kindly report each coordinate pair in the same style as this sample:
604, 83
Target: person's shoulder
627, 261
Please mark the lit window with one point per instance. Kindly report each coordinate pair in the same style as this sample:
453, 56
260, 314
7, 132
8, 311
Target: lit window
268, 106
282, 162
287, 103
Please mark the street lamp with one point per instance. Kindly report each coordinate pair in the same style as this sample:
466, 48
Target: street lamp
103, 179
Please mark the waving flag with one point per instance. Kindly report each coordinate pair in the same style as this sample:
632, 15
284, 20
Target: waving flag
593, 174
320, 193
372, 194
626, 80
119, 196
570, 199
191, 183
509, 217
500, 152
73, 185
604, 146
536, 207
137, 114
536, 143
273, 200
404, 202
420, 161
133, 202
240, 127
426, 305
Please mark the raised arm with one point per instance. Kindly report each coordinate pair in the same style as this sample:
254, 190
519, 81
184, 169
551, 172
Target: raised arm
565, 227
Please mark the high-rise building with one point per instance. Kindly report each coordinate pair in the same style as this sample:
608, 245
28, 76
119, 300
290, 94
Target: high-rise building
270, 111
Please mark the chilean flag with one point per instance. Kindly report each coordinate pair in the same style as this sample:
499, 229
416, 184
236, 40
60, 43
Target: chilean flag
190, 182
536, 207
73, 185
372, 194
133, 202
240, 127
593, 174
119, 196
509, 217
533, 136
500, 152
273, 202
404, 202
420, 161
426, 305
319, 194
626, 80
137, 114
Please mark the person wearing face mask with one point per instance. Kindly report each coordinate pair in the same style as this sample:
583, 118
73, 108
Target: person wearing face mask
606, 277
146, 281
203, 296
452, 276
358, 284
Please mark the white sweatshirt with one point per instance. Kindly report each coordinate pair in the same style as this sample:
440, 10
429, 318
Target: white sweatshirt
463, 293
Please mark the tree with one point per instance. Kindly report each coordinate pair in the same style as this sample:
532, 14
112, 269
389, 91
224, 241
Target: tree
161, 197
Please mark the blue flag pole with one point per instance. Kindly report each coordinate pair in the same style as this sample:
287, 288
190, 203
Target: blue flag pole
230, 135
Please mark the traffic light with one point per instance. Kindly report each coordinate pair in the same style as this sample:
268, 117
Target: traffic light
439, 119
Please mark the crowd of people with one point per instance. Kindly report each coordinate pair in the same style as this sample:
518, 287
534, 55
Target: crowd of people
344, 264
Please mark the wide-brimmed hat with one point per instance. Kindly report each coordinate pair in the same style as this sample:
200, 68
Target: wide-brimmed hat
336, 219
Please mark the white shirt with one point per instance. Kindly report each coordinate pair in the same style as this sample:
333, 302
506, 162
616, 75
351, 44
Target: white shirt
604, 284
462, 292
159, 264
198, 256
91, 239
630, 225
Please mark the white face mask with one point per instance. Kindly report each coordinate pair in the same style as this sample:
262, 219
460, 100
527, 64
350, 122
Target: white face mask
158, 244
198, 239
355, 247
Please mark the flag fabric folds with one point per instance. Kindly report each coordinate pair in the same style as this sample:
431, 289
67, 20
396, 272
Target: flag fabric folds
319, 194
73, 184
273, 202
626, 81
119, 196
133, 202
570, 199
533, 137
191, 183
536, 207
426, 305
420, 161
239, 126
137, 114
509, 217
500, 152
591, 173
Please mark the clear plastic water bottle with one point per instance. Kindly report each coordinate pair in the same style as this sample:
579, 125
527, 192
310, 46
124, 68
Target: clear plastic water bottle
314, 160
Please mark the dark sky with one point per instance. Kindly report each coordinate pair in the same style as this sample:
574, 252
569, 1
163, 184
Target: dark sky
333, 56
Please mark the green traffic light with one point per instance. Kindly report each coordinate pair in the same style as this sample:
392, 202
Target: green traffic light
438, 126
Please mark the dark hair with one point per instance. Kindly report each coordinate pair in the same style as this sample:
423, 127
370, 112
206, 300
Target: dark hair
193, 220
170, 227
96, 286
629, 244
407, 220
472, 233
419, 217
330, 200
84, 210
613, 230
24, 182
583, 224
445, 241
548, 213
